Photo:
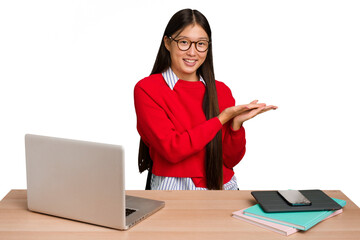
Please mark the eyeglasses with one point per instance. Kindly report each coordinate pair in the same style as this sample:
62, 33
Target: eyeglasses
185, 44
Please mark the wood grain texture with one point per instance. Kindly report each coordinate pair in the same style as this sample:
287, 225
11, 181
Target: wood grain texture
186, 215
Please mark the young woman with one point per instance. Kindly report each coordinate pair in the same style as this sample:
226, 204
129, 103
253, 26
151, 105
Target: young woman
192, 133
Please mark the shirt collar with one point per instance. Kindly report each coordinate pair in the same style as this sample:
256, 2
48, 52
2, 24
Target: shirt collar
171, 78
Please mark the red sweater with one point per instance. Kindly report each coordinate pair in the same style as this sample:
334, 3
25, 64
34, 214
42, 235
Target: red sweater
174, 127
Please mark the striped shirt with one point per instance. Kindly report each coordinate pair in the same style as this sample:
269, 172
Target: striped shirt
171, 79
179, 183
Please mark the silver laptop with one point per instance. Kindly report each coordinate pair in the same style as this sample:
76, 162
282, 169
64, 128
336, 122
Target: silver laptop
83, 181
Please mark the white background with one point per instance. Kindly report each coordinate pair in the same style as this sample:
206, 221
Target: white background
68, 69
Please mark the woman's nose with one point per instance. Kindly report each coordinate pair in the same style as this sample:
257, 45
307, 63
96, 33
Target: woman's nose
192, 50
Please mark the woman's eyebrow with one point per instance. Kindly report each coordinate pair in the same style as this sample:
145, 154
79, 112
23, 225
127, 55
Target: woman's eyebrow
200, 38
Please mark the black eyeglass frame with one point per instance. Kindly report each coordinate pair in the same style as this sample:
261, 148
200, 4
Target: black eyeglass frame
191, 42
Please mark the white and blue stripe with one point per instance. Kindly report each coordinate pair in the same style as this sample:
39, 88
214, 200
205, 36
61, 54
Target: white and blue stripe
178, 183
171, 78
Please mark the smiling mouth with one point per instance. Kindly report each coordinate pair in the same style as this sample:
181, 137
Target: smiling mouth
189, 60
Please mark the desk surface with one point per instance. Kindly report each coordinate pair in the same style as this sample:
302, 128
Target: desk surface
187, 215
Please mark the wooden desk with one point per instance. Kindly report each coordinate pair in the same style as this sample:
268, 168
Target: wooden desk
187, 215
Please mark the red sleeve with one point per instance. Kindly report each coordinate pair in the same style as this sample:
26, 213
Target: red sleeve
233, 141
233, 146
156, 129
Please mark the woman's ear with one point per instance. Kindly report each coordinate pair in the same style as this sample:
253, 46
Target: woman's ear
167, 42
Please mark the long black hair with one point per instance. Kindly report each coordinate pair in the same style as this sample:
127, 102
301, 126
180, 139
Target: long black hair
213, 161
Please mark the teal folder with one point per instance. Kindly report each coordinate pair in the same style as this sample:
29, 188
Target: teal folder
299, 220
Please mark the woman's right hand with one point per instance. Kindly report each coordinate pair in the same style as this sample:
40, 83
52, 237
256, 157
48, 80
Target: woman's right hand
242, 113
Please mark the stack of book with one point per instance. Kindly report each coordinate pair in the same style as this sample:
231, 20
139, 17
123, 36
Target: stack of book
286, 222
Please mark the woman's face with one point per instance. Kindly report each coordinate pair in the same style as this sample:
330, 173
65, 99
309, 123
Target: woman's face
185, 63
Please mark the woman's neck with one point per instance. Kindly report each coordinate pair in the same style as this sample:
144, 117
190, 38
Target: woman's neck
192, 77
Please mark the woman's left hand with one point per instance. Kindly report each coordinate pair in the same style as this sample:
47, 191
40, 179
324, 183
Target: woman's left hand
241, 118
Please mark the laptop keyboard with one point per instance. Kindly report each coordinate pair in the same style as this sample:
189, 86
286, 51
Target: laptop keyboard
129, 211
